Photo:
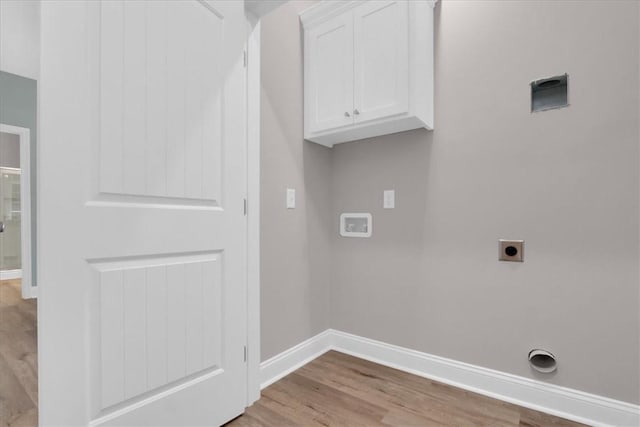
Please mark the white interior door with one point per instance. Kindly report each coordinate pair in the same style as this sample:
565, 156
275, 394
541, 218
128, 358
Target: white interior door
381, 66
142, 311
330, 74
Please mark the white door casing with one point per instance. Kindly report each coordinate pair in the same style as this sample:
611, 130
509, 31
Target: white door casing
381, 59
330, 74
142, 311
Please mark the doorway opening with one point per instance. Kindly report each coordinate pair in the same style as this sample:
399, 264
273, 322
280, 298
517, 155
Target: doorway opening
18, 308
15, 208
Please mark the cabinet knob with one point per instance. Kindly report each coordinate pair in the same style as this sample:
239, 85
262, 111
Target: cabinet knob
346, 114
356, 112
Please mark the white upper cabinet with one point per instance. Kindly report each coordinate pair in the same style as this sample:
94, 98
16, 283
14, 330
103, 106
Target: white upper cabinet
368, 69
330, 77
381, 60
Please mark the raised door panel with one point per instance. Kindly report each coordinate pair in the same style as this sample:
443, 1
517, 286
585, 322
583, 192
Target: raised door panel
160, 321
381, 47
329, 94
160, 101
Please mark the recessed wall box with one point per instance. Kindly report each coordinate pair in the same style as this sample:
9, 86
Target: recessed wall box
356, 225
511, 250
550, 93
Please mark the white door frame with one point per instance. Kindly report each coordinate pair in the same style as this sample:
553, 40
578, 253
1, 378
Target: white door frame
253, 211
28, 291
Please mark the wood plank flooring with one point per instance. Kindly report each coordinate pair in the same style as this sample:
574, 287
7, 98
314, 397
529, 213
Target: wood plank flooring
18, 357
333, 390
341, 390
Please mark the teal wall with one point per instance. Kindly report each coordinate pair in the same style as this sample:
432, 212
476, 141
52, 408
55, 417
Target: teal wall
19, 107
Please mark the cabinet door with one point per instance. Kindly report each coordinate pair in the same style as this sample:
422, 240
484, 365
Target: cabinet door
381, 48
330, 74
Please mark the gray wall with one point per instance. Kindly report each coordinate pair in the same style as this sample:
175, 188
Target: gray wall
9, 150
295, 273
566, 181
18, 107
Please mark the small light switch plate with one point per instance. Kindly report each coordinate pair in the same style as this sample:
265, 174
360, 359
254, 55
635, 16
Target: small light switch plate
389, 197
291, 198
511, 250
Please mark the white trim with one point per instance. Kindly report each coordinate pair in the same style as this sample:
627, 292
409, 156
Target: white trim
253, 214
537, 395
10, 274
325, 10
28, 291
297, 356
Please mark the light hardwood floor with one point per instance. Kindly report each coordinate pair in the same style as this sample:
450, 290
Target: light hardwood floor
333, 390
18, 357
340, 390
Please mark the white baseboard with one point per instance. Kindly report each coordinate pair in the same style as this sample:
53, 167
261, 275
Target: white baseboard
552, 399
289, 360
10, 274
